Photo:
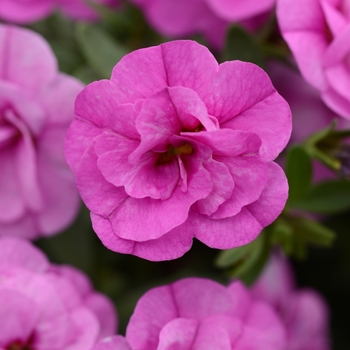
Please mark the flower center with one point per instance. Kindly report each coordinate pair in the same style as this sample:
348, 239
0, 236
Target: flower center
167, 156
18, 345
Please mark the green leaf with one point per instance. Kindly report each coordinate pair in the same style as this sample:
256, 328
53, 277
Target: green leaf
227, 258
328, 197
240, 45
313, 232
299, 173
101, 51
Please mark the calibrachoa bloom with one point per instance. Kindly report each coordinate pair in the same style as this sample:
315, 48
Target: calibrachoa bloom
303, 311
28, 11
318, 34
178, 18
196, 313
174, 147
37, 190
48, 307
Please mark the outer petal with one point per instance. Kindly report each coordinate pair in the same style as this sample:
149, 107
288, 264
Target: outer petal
100, 196
241, 99
19, 252
57, 183
19, 315
177, 63
24, 12
30, 61
235, 11
170, 246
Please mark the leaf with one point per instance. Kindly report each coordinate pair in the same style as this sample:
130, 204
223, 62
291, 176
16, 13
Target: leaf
299, 173
328, 197
313, 232
101, 51
240, 45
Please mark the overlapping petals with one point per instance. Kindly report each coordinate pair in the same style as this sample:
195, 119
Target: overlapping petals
28, 11
37, 190
43, 306
304, 312
317, 32
211, 18
174, 147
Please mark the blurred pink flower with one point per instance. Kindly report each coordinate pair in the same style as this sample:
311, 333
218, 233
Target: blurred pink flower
195, 313
179, 18
37, 189
48, 307
303, 311
28, 11
174, 147
318, 32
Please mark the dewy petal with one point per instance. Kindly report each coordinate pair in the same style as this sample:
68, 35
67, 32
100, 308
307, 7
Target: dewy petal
135, 218
19, 316
177, 63
99, 195
234, 11
18, 252
26, 58
116, 342
241, 99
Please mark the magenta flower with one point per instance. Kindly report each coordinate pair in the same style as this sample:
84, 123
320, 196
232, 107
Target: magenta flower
317, 33
48, 307
304, 312
28, 11
174, 147
196, 313
37, 190
179, 18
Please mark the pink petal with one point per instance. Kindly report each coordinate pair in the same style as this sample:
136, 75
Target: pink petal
134, 218
170, 246
179, 333
19, 252
116, 342
25, 227
336, 102
235, 11
153, 311
242, 98
336, 20
19, 316
177, 63
57, 183
59, 97
250, 177
31, 63
23, 12
100, 196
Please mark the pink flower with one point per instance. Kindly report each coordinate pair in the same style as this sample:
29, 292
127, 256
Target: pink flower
196, 313
174, 147
28, 11
37, 190
304, 312
48, 307
179, 18
317, 32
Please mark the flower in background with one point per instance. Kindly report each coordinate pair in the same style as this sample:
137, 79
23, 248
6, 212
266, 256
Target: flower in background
28, 11
195, 313
48, 307
303, 311
211, 18
174, 147
318, 34
37, 190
